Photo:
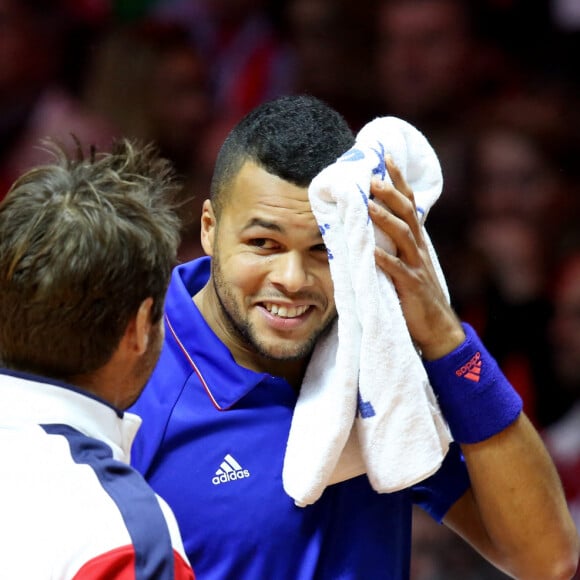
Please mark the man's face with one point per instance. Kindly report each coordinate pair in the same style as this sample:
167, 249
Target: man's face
271, 280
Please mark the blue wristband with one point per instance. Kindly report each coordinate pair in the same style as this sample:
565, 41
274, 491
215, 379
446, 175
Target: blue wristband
474, 395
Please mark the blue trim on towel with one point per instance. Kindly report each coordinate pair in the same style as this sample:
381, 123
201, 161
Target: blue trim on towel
365, 408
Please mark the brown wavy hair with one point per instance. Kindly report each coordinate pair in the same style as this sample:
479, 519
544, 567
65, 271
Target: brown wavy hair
83, 242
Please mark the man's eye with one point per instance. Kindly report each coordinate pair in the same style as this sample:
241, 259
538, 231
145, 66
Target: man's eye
319, 248
263, 243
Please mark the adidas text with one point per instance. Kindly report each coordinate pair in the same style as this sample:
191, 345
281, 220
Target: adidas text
231, 476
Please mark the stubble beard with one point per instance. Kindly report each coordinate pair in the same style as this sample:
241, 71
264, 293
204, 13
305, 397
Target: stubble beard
244, 330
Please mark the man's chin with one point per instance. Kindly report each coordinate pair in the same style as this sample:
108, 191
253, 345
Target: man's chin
291, 351
286, 353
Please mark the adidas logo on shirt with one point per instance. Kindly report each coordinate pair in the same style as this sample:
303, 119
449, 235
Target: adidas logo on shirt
229, 470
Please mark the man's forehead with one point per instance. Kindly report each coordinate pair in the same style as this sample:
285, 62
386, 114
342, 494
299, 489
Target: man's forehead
254, 186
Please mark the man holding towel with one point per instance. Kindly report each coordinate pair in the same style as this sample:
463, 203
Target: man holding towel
241, 325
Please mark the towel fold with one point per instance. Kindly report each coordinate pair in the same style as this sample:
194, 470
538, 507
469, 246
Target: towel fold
366, 405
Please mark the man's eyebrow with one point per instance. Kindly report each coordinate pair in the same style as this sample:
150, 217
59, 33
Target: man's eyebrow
261, 223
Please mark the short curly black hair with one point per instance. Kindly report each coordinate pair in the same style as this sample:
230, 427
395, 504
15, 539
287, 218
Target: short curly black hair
293, 137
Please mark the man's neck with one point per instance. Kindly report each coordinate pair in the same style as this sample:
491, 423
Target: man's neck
292, 371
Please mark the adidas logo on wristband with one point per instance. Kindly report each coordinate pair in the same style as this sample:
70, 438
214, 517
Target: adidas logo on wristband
471, 370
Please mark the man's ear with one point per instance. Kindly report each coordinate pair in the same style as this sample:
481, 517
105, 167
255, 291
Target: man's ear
208, 226
141, 327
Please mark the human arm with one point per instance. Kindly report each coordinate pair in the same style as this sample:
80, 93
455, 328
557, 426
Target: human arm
515, 513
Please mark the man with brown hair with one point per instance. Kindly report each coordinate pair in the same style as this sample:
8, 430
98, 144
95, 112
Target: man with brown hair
86, 248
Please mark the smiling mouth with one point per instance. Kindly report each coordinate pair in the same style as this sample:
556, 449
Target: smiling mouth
285, 311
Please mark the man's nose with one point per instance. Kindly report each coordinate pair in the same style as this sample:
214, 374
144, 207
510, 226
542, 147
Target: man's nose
291, 272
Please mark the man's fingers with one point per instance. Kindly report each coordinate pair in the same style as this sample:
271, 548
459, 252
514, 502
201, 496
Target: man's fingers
398, 230
395, 214
398, 180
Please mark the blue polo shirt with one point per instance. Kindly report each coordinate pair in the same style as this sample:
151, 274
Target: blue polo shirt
212, 444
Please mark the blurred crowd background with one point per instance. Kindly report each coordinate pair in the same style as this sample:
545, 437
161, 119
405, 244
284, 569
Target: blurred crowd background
493, 84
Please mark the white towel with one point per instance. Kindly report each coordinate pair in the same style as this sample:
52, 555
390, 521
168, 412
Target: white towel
366, 404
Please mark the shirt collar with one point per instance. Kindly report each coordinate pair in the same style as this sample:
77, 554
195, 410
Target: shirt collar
28, 399
225, 381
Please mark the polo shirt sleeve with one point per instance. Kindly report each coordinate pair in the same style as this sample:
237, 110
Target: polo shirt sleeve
439, 492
